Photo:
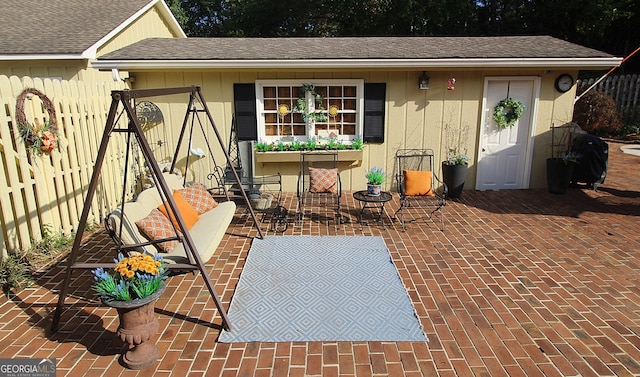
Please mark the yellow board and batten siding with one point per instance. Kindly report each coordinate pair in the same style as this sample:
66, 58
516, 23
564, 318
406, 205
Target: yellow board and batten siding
414, 118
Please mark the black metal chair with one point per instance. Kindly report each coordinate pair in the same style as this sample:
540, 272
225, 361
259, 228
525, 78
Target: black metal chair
319, 183
418, 185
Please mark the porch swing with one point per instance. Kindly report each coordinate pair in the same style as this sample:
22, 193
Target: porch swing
123, 106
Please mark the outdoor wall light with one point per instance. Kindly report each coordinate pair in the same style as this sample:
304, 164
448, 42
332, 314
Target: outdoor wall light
423, 81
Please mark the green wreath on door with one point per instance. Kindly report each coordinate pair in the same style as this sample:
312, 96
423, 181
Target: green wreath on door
507, 112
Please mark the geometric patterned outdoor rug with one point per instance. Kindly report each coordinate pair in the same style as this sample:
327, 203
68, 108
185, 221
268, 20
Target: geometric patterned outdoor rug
321, 288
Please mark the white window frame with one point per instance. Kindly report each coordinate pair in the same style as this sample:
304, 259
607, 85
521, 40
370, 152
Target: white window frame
310, 129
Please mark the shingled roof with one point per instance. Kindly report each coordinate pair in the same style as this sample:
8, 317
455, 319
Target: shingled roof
352, 48
61, 27
259, 52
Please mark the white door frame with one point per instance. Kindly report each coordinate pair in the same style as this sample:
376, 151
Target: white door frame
534, 112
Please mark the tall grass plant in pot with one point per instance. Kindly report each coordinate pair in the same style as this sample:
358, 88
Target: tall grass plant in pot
456, 165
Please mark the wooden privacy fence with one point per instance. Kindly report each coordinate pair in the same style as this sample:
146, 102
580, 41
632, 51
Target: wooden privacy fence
39, 191
625, 90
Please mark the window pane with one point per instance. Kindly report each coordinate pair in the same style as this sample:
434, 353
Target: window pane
269, 104
349, 91
349, 104
271, 130
270, 118
335, 91
322, 90
349, 130
286, 119
269, 92
284, 91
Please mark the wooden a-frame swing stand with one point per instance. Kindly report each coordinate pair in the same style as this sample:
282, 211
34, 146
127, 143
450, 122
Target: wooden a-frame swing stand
126, 99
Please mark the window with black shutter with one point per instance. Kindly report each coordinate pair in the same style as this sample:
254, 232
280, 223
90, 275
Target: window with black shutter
374, 112
349, 108
244, 102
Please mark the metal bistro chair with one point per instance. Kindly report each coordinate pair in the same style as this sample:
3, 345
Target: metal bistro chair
418, 185
319, 183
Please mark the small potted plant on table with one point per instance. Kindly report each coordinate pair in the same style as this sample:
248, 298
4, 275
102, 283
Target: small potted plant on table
375, 179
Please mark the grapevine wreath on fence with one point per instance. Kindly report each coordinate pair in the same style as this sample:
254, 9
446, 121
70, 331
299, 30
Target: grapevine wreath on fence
38, 137
507, 112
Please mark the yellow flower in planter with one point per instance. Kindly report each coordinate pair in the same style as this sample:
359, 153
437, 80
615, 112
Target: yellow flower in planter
134, 277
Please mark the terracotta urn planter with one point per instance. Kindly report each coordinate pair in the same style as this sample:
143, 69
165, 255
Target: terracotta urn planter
138, 324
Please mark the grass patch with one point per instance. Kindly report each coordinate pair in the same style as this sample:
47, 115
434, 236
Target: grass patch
19, 269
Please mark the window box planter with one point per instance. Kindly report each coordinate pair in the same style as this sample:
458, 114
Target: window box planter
345, 155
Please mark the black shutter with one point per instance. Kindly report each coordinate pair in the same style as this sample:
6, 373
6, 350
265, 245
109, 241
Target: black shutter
374, 104
244, 103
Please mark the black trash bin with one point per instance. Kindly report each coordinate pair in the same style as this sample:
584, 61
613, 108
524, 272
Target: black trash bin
592, 164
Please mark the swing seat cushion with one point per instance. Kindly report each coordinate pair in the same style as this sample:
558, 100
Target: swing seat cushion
206, 232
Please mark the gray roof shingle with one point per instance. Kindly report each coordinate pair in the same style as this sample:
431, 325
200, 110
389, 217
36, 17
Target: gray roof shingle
48, 27
352, 48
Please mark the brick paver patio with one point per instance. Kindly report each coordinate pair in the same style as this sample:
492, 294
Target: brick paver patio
522, 283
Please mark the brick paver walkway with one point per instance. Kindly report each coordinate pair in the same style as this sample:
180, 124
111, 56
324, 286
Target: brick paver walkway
522, 283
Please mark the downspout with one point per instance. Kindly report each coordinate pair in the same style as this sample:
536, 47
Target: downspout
605, 75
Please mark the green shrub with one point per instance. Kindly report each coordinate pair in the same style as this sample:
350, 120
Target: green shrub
17, 270
596, 113
14, 273
357, 144
262, 146
629, 129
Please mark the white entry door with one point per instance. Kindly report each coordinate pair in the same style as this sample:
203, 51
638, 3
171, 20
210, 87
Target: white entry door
504, 154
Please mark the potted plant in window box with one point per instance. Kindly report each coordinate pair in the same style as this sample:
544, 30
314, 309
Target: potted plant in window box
289, 151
